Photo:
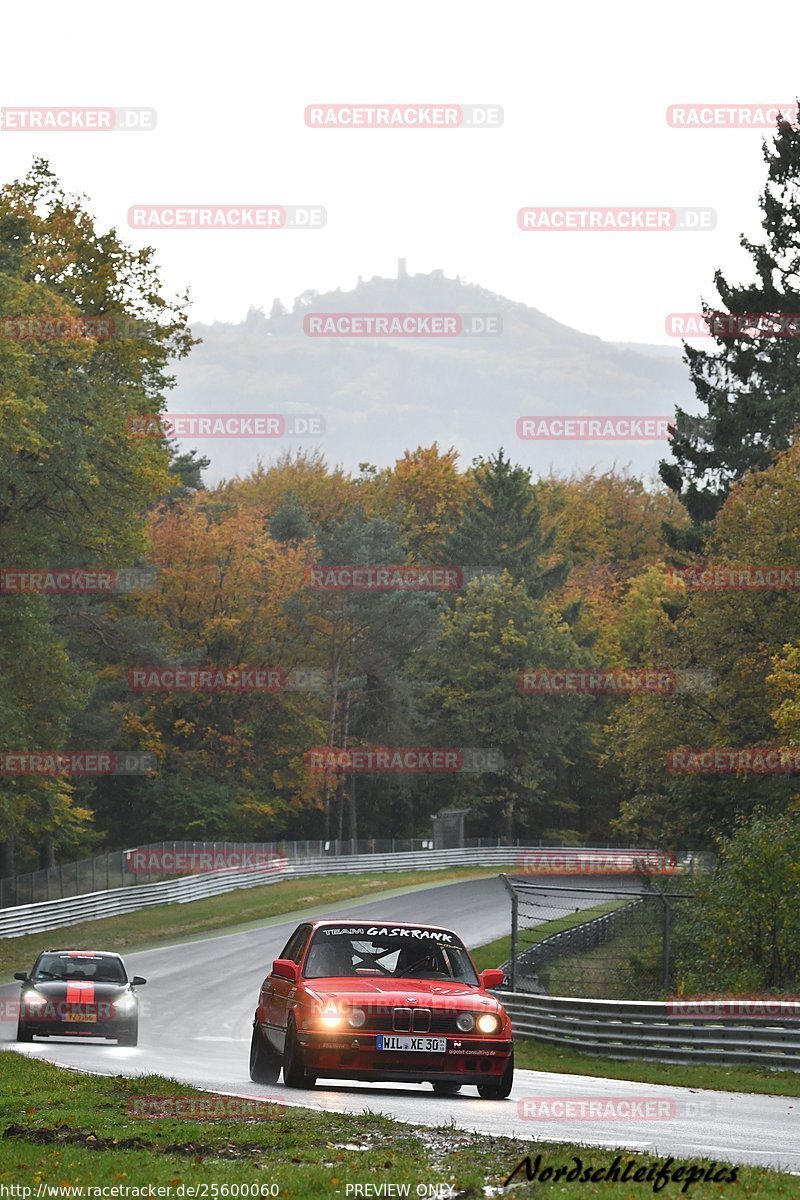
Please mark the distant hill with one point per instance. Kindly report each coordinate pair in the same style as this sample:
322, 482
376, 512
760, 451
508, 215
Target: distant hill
380, 396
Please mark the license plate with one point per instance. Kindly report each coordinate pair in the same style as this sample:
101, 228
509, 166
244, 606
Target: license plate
79, 1016
427, 1045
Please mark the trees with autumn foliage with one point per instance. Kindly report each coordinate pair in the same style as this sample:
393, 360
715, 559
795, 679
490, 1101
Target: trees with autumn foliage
555, 574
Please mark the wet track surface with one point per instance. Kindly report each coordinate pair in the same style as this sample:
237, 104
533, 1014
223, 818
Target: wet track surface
197, 1010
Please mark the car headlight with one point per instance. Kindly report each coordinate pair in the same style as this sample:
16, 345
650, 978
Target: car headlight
33, 999
356, 1017
125, 1003
465, 1022
487, 1023
331, 1018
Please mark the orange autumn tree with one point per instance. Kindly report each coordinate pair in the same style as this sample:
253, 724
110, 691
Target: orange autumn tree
231, 762
425, 493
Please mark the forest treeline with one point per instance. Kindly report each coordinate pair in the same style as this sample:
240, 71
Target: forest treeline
584, 573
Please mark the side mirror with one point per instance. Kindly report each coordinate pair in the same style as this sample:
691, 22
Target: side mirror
286, 969
492, 977
137, 981
23, 975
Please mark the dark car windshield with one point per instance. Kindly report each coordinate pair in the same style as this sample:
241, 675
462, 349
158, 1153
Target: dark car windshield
97, 968
401, 952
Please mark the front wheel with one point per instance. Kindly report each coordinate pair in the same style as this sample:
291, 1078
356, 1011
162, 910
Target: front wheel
446, 1089
130, 1037
265, 1067
23, 1033
501, 1090
295, 1074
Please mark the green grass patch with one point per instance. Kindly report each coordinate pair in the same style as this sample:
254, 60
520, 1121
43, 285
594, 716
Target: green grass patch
168, 923
493, 954
64, 1128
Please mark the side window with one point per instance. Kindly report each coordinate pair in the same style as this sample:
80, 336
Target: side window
296, 944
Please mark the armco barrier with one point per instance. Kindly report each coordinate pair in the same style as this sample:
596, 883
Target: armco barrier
54, 914
646, 1029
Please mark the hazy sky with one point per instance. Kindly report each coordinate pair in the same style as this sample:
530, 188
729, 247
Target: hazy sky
584, 89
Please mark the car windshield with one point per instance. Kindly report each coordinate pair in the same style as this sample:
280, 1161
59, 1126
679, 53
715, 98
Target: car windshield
96, 968
401, 952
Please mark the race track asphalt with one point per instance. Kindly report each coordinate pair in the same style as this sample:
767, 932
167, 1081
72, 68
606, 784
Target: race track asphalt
197, 1010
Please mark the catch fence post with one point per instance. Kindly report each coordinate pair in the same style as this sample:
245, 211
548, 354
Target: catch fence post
514, 914
666, 940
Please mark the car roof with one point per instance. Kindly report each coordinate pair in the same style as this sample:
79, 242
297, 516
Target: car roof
390, 921
82, 953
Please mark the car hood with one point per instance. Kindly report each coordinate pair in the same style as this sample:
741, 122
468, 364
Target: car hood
428, 993
79, 991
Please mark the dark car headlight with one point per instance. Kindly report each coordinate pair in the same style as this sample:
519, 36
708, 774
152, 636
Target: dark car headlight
465, 1022
356, 1017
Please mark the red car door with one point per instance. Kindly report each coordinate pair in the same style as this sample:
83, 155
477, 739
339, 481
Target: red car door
277, 993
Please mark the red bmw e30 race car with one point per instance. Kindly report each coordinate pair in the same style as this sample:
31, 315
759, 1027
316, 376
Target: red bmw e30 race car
381, 1001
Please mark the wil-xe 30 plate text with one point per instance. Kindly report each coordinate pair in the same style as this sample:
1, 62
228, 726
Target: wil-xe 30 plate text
430, 1044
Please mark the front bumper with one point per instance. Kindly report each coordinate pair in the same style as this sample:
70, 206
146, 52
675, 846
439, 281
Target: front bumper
56, 1028
355, 1056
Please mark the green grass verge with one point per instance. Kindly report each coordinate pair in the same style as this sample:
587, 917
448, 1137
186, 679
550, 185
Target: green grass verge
231, 911
495, 953
63, 1128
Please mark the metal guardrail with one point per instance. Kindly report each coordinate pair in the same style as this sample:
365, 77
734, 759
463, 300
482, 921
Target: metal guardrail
112, 868
53, 914
649, 1030
35, 918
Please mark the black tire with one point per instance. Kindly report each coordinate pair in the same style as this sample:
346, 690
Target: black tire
265, 1067
23, 1033
446, 1089
130, 1037
501, 1090
294, 1073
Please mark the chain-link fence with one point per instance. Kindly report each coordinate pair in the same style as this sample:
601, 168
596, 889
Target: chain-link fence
605, 939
